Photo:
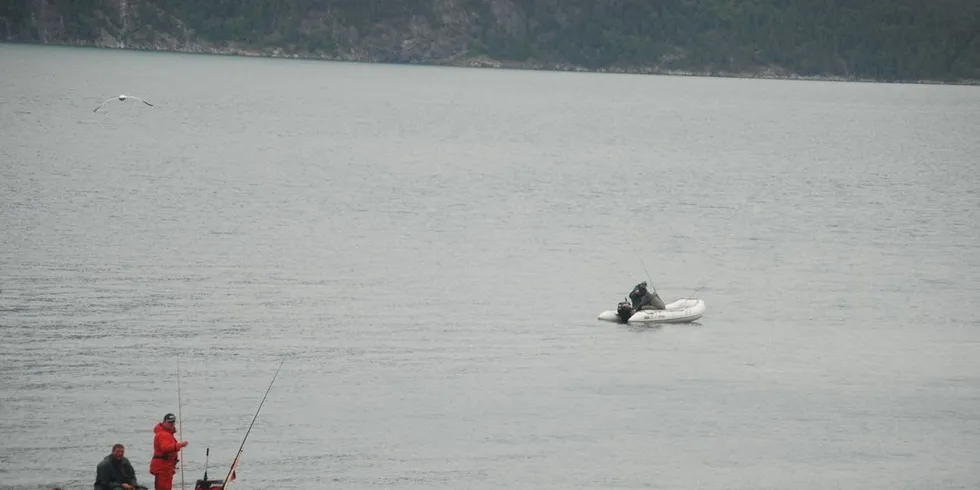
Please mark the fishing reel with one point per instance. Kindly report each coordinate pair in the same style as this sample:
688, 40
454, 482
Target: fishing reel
209, 485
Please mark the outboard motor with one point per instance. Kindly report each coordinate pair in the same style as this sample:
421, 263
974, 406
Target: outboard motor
624, 310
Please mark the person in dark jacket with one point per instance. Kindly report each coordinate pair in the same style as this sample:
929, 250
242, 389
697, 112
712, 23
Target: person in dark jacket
643, 299
115, 472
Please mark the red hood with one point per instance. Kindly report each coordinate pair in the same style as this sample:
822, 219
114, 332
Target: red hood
162, 428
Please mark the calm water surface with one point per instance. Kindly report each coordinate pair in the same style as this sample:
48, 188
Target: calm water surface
428, 249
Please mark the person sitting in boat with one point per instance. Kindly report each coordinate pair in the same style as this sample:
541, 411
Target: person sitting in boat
115, 472
643, 299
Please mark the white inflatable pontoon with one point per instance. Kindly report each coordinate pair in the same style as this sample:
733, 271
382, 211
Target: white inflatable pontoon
684, 310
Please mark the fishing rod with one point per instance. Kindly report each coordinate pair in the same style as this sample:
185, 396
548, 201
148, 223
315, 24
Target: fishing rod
234, 463
694, 291
648, 274
207, 453
180, 420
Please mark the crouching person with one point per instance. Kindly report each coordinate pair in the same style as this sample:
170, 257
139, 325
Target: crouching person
115, 472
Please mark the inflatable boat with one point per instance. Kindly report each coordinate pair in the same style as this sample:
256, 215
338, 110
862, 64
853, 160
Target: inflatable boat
684, 310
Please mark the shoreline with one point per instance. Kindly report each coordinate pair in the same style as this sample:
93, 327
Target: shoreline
764, 74
483, 61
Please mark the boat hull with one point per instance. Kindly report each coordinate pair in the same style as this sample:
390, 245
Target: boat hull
684, 310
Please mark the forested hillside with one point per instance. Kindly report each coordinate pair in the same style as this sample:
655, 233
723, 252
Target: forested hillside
936, 40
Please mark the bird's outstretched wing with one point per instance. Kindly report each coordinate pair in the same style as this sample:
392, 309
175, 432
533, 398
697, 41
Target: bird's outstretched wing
139, 99
103, 104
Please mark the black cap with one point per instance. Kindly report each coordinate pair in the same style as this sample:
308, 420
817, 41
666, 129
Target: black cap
169, 418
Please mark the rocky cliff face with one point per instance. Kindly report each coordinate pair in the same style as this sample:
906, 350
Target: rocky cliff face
137, 24
871, 39
441, 32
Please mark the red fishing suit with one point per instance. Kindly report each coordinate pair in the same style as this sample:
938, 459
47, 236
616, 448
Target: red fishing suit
165, 451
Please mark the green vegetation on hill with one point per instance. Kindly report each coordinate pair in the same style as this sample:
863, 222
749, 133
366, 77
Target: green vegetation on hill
871, 39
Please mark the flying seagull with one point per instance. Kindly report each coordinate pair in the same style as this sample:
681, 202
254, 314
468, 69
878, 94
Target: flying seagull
123, 98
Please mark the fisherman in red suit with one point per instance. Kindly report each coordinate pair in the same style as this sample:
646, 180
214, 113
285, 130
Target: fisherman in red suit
165, 451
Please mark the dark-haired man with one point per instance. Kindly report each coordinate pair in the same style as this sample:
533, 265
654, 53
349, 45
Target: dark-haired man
115, 472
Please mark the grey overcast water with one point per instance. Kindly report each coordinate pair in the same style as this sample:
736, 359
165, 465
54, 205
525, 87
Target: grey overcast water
428, 248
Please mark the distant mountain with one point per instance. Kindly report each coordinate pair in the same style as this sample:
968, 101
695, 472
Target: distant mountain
887, 40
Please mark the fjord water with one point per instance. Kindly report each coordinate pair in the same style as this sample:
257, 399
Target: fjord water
428, 248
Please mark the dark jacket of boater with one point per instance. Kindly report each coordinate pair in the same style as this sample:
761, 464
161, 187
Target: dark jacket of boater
645, 300
110, 474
